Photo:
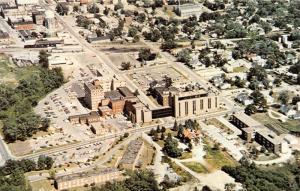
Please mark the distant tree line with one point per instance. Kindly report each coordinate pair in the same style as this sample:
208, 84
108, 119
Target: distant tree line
285, 178
12, 173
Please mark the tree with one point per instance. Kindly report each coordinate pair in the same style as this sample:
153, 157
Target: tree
206, 188
190, 146
43, 59
162, 136
146, 55
155, 136
259, 100
151, 133
126, 135
230, 187
180, 132
75, 8
171, 147
158, 129
132, 31
119, 5
163, 129
184, 56
93, 9
175, 127
284, 97
106, 11
295, 100
250, 109
168, 45
61, 9
126, 65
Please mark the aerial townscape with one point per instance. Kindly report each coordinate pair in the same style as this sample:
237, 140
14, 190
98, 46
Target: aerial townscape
149, 95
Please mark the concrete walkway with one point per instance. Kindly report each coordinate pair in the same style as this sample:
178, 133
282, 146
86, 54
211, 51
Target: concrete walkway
281, 117
284, 157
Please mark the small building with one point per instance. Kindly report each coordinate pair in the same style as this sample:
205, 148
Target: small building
190, 134
187, 10
85, 118
288, 110
244, 98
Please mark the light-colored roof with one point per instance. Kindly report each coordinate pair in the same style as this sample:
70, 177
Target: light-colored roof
270, 136
249, 121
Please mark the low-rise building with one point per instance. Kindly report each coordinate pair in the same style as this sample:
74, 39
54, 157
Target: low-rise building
269, 139
87, 178
241, 120
187, 10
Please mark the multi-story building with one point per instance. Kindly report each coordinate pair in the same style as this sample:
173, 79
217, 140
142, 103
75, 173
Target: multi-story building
193, 103
93, 94
87, 178
253, 130
270, 140
184, 103
241, 120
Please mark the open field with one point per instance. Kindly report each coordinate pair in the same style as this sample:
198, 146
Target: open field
196, 167
42, 185
276, 125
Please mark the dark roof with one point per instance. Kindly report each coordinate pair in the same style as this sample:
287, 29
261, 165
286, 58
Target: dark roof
125, 92
162, 89
113, 95
85, 174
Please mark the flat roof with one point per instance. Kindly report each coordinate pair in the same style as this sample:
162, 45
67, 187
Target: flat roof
270, 136
86, 174
114, 94
249, 121
125, 92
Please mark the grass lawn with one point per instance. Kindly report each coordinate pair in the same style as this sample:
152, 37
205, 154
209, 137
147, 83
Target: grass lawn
216, 157
218, 124
196, 167
147, 155
42, 185
186, 155
240, 69
276, 125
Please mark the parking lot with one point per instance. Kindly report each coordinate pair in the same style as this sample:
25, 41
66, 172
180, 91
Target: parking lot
146, 75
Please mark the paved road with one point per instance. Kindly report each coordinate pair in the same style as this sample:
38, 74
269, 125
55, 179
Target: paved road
5, 155
101, 57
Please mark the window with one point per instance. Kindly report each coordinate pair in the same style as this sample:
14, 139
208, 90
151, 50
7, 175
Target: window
201, 104
194, 106
209, 103
186, 108
216, 102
